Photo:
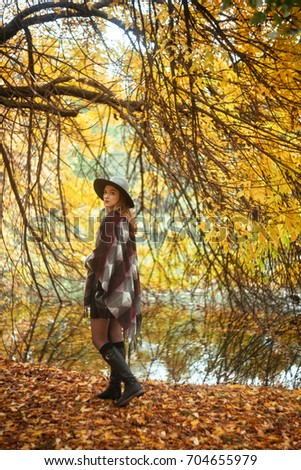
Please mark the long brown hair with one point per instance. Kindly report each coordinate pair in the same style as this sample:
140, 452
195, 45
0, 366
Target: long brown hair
125, 211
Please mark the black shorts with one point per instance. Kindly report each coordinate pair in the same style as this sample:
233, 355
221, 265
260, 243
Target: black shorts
96, 310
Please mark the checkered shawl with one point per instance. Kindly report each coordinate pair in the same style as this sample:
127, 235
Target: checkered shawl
114, 264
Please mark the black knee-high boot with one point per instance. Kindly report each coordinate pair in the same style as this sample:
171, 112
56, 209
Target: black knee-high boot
113, 390
115, 360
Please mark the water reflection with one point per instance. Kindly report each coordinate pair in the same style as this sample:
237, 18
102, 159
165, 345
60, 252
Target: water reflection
186, 338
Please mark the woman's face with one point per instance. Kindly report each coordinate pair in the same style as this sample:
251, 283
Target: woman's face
111, 197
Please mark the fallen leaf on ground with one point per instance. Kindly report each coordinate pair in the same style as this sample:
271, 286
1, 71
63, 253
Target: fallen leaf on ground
51, 408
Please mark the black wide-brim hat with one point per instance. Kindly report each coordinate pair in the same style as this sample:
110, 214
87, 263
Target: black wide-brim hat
119, 183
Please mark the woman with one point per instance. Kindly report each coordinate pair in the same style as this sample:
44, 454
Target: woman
112, 292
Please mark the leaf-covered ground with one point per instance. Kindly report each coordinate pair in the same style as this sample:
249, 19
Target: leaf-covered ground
51, 408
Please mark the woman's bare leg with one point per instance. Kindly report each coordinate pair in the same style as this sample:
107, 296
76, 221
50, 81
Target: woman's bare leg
115, 331
100, 332
104, 330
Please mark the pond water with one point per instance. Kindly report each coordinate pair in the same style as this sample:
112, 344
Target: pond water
211, 343
187, 337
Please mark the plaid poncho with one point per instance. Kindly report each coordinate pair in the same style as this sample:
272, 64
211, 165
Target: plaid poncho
114, 264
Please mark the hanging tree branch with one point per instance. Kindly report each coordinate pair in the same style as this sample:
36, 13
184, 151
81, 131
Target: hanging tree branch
40, 97
32, 16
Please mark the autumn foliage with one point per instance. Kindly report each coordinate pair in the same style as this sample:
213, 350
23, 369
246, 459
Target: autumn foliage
51, 408
198, 104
